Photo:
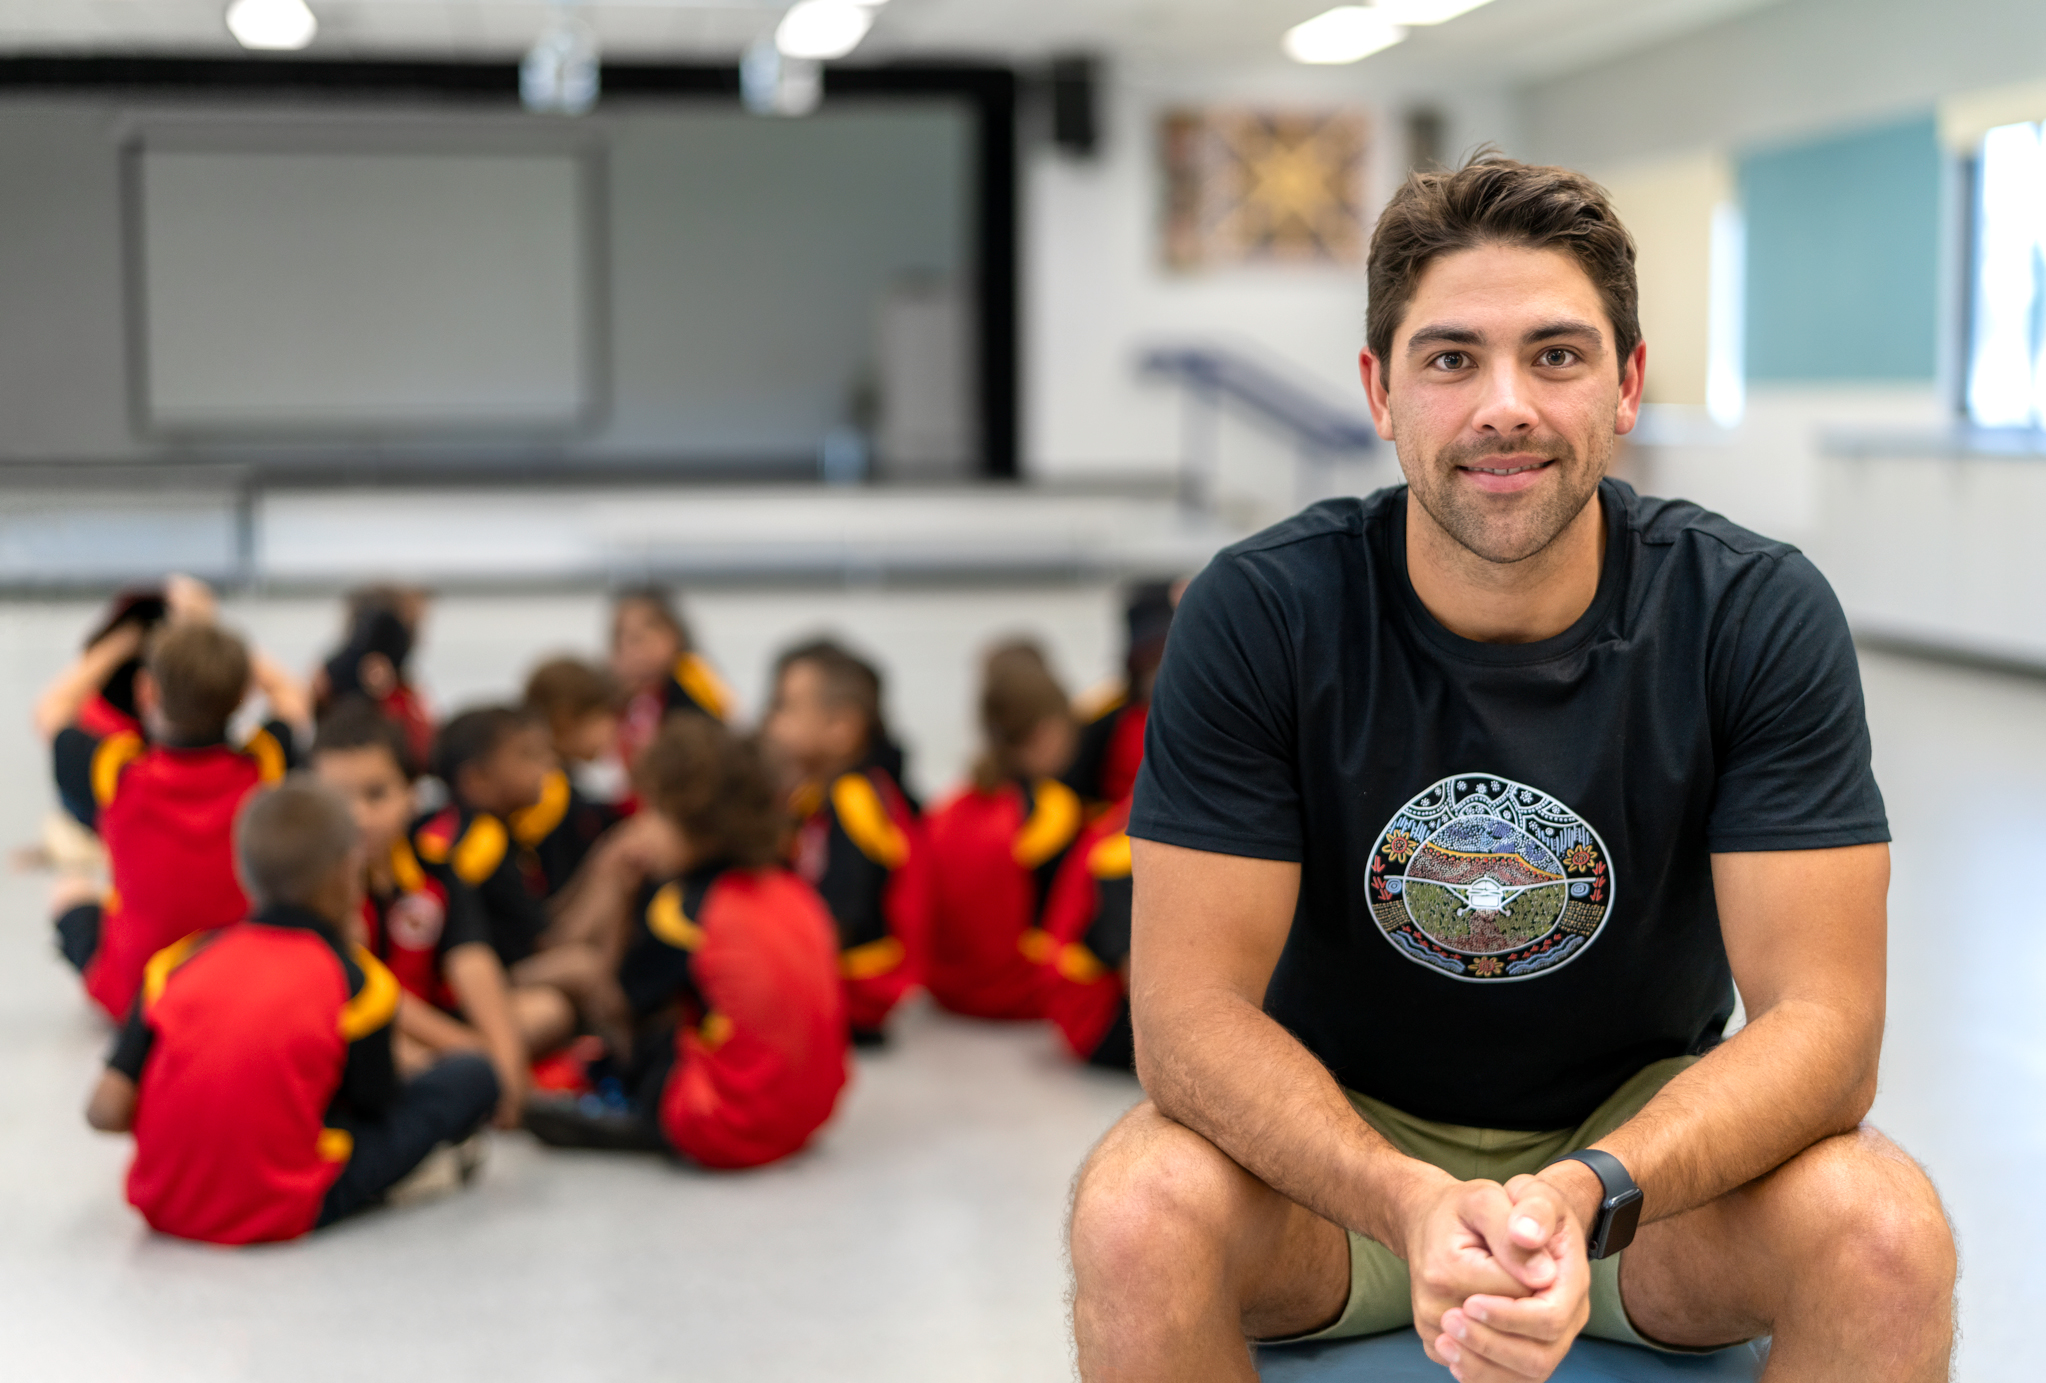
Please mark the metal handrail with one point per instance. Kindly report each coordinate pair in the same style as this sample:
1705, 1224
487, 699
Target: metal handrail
1313, 422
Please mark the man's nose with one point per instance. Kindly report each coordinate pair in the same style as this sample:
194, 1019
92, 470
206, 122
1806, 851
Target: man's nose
1506, 406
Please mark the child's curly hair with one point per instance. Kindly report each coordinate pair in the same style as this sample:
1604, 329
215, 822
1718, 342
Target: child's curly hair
715, 787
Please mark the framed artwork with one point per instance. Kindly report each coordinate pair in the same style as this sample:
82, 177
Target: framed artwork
1253, 187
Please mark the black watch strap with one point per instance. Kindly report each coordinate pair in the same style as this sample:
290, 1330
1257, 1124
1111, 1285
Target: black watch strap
1619, 1208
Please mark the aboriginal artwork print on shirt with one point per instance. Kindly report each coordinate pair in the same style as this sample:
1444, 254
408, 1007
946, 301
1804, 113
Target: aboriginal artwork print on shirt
1486, 879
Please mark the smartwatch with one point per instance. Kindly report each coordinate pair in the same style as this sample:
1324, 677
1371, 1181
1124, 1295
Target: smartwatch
1619, 1207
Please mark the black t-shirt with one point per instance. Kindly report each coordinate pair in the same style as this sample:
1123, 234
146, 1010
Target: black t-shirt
1506, 902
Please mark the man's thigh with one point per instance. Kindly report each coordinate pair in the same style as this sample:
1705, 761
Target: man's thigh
1159, 1207
1849, 1226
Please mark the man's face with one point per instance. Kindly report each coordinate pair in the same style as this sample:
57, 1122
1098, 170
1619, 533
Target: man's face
377, 793
1503, 394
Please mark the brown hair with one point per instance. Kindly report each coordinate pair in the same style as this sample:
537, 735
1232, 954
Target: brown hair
565, 690
474, 736
356, 722
201, 673
660, 604
1017, 694
849, 680
715, 787
291, 839
1495, 200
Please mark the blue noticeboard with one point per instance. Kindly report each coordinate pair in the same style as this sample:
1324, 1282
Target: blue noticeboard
1843, 256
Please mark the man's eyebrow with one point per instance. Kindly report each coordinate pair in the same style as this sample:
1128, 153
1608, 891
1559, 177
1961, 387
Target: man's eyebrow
1444, 334
1566, 326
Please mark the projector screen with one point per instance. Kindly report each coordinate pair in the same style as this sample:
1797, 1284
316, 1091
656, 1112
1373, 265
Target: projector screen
373, 293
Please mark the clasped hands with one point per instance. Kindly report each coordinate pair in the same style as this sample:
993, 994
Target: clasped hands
1500, 1280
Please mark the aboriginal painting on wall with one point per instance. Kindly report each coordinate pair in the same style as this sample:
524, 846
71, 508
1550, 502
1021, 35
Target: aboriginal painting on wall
1253, 187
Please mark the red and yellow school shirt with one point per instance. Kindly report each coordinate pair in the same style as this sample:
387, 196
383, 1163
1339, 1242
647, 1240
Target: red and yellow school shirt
1111, 749
1088, 922
692, 687
475, 850
992, 859
241, 1043
751, 958
857, 845
413, 925
166, 814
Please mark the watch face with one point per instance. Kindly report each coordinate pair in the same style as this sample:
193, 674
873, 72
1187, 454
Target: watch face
1622, 1216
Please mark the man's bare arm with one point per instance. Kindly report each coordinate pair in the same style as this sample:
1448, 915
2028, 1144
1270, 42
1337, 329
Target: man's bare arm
1206, 935
1806, 933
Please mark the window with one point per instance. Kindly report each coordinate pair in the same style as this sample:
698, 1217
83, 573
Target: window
2007, 339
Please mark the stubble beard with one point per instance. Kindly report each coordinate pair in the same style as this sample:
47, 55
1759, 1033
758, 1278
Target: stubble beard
1507, 529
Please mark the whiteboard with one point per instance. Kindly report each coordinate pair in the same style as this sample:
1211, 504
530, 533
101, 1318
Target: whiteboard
383, 293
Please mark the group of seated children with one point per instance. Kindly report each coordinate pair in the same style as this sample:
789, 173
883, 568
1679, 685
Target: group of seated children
599, 913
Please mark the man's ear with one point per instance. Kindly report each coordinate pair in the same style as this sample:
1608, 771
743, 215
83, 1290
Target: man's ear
1633, 378
148, 701
1372, 370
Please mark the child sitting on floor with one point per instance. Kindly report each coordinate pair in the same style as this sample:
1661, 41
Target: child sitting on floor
996, 846
856, 828
164, 804
657, 664
1104, 768
495, 763
1087, 966
383, 628
430, 931
578, 704
255, 1070
731, 979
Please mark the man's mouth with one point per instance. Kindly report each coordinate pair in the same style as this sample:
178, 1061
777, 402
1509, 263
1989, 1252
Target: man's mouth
1509, 470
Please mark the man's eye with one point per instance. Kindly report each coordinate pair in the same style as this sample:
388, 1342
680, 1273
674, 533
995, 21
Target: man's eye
1451, 360
1556, 357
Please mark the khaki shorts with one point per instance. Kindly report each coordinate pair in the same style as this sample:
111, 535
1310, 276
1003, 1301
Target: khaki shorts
1380, 1296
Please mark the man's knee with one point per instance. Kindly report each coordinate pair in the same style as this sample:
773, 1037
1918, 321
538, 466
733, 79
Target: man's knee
1149, 1192
1874, 1220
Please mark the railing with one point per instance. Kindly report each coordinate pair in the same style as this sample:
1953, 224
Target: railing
1214, 379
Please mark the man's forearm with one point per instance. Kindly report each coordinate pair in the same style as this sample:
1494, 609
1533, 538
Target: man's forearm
1222, 1067
1796, 1074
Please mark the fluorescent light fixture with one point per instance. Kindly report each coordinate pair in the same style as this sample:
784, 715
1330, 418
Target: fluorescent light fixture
1425, 11
771, 84
560, 74
820, 30
279, 24
1348, 33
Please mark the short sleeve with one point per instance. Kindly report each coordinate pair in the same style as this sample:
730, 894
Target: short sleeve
131, 1048
1219, 771
1791, 735
466, 921
71, 757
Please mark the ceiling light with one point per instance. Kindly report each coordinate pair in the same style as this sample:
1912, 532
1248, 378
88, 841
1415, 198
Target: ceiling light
560, 74
271, 23
1425, 11
822, 29
1347, 33
771, 84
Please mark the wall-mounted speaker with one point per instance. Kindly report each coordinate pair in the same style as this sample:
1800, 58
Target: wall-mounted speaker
1075, 104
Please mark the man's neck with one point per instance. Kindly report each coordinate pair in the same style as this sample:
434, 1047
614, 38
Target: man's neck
1506, 602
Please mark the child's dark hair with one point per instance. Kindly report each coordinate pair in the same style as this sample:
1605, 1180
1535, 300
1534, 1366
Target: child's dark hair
201, 673
474, 736
354, 722
564, 690
660, 604
714, 786
1018, 694
849, 680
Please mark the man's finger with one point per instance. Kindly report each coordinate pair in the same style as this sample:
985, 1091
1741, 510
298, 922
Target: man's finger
1515, 1356
1516, 1235
1544, 1318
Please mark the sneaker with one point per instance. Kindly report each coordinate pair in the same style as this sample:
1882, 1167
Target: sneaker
448, 1168
590, 1122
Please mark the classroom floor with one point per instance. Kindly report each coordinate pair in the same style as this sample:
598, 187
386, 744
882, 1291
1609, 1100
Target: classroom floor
919, 1239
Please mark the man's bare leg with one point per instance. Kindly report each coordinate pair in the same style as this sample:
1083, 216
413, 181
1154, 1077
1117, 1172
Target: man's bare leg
1843, 1254
1179, 1255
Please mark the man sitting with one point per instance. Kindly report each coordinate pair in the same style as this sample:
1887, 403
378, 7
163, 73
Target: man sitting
1463, 808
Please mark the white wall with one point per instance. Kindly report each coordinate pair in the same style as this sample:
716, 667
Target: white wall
1096, 291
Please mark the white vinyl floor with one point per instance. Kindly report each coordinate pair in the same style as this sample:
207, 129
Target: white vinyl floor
920, 1238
